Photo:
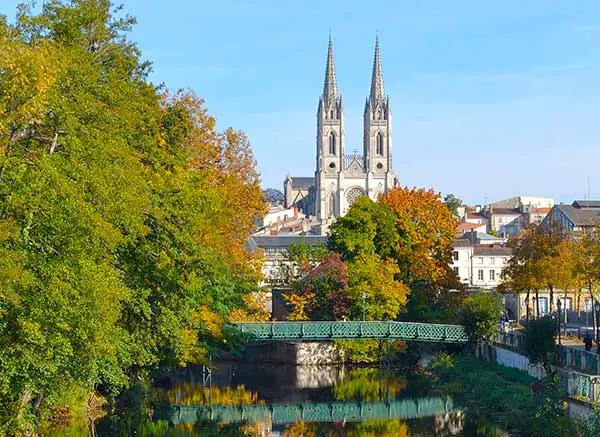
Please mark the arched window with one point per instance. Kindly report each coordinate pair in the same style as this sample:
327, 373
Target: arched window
331, 206
332, 144
331, 114
379, 141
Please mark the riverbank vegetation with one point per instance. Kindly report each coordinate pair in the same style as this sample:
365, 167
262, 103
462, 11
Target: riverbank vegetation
123, 215
508, 398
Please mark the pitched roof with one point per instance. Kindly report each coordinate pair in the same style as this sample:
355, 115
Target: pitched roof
462, 242
465, 226
505, 211
586, 204
491, 250
302, 182
586, 216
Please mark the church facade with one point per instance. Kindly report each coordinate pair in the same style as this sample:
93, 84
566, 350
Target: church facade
342, 177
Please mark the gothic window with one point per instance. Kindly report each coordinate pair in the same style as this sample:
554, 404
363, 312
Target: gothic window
331, 206
379, 141
331, 114
332, 144
352, 195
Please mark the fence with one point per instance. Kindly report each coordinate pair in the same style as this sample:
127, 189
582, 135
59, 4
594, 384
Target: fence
570, 357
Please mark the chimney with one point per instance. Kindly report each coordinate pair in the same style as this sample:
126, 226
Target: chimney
295, 212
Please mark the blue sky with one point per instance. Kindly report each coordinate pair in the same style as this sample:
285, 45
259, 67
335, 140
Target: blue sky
490, 99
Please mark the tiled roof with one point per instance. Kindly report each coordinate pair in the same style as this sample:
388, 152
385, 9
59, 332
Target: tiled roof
588, 216
464, 226
475, 215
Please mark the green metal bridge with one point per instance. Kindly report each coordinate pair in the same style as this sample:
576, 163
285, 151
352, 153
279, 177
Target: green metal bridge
315, 412
330, 330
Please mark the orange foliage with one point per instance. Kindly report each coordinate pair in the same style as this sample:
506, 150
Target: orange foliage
426, 229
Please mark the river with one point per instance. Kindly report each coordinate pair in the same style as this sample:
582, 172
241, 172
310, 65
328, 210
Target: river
237, 399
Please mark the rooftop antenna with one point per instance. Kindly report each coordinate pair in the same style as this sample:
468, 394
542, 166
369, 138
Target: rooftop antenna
589, 189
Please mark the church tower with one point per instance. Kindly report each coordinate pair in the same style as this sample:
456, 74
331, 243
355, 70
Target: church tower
378, 132
330, 144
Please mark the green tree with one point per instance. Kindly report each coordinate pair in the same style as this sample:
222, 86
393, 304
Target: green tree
453, 203
123, 214
368, 227
540, 344
480, 315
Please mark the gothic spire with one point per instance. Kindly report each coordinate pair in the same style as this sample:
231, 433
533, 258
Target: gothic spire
330, 90
377, 76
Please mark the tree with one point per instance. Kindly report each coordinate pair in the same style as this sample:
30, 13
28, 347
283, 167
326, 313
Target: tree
274, 196
426, 231
123, 215
540, 344
385, 297
453, 203
480, 315
368, 227
322, 294
520, 275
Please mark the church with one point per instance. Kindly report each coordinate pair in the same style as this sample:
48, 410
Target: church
341, 177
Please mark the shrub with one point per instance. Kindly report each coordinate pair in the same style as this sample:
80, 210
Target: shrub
480, 315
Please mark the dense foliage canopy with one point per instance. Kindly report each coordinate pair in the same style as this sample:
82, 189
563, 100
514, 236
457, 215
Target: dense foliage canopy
123, 213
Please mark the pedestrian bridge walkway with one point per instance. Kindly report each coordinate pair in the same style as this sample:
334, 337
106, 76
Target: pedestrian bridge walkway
339, 330
315, 412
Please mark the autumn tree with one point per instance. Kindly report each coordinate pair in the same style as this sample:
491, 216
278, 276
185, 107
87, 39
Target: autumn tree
123, 214
521, 274
426, 231
322, 294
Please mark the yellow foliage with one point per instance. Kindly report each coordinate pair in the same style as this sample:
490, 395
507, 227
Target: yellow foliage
300, 429
189, 394
255, 309
298, 303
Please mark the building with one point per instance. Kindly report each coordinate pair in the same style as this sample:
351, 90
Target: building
275, 249
341, 177
479, 265
580, 216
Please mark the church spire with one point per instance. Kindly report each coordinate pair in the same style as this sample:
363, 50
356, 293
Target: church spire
377, 76
330, 91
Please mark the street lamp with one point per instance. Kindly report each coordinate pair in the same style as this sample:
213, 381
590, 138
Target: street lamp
559, 305
364, 296
597, 305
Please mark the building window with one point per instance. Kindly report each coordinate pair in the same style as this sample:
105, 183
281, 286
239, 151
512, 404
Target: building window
456, 271
588, 304
379, 143
480, 275
492, 260
543, 305
332, 143
492, 275
455, 255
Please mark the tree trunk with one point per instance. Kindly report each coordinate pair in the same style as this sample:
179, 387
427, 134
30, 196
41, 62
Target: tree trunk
594, 321
579, 304
527, 305
551, 305
537, 304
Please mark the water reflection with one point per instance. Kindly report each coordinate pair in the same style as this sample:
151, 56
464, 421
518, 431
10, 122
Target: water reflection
259, 400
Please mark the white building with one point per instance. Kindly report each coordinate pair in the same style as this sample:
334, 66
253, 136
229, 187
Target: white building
479, 265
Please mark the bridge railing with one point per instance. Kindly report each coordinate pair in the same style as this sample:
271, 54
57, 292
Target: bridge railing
330, 330
316, 412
